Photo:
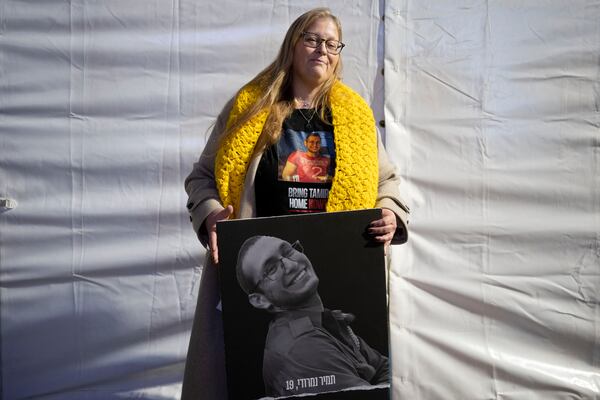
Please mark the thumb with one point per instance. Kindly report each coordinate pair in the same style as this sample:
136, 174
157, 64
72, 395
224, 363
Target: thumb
224, 213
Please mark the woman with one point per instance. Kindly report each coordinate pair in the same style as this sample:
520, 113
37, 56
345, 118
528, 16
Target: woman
239, 173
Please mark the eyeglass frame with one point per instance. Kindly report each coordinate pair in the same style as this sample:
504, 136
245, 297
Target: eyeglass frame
270, 274
321, 41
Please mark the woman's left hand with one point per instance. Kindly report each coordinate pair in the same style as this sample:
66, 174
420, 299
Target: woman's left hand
383, 229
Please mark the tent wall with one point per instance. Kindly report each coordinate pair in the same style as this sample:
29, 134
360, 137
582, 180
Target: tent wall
104, 107
491, 111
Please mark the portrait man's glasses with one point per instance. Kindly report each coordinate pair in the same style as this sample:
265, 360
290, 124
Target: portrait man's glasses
314, 41
270, 272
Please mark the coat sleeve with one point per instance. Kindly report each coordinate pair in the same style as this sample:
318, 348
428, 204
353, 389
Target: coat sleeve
203, 196
388, 195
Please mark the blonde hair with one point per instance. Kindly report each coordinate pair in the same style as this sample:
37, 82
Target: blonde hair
275, 83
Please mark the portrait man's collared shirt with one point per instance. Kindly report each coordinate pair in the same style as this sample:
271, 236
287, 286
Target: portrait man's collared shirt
314, 352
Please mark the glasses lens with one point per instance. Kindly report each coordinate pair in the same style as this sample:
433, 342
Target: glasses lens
311, 40
333, 46
271, 271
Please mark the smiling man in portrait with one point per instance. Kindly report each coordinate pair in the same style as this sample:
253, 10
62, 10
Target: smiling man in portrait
308, 349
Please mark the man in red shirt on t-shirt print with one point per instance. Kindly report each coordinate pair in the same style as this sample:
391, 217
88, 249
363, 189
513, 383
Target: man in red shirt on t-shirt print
309, 166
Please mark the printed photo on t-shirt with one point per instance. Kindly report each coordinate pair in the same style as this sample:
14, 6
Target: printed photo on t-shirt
306, 156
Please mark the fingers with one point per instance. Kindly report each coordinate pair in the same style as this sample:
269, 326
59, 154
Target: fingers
383, 229
212, 247
211, 228
380, 227
386, 237
224, 213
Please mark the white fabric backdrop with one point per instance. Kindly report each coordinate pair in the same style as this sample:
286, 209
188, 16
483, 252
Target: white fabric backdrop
104, 108
492, 115
492, 111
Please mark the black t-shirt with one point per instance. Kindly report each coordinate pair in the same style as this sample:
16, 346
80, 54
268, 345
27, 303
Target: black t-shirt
294, 175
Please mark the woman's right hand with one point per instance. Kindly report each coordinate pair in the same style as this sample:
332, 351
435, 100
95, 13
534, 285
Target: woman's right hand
211, 229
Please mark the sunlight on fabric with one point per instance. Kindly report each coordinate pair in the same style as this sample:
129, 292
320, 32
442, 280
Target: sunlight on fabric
571, 376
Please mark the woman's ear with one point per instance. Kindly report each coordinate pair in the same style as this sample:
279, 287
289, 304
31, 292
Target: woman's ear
259, 300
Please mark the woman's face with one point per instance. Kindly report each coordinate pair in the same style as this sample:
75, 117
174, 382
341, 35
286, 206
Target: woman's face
311, 66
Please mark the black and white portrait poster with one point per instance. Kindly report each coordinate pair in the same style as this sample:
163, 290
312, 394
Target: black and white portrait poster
304, 307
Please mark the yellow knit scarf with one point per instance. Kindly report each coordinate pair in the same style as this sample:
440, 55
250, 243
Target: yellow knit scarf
356, 177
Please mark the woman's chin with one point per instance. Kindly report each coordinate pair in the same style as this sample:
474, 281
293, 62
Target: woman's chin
315, 76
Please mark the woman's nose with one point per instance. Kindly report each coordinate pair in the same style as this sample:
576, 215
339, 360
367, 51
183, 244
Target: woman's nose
322, 48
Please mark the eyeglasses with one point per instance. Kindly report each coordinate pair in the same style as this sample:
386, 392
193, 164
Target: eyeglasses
314, 41
271, 269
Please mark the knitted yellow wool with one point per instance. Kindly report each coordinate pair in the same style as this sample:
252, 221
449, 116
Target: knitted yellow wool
356, 177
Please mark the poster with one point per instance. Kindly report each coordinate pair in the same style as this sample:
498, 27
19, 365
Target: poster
304, 307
